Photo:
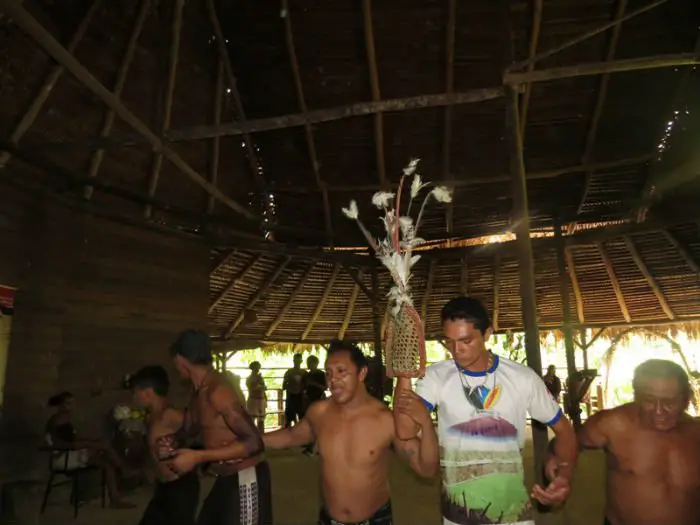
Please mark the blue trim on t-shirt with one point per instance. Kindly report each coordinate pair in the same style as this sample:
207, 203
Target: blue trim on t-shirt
556, 418
481, 374
428, 405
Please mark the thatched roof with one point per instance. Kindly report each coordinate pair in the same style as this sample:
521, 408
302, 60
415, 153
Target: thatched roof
228, 119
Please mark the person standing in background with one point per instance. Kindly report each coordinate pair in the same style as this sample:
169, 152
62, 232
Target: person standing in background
293, 385
315, 390
257, 397
552, 382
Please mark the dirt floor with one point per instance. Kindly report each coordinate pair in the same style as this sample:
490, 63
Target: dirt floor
296, 496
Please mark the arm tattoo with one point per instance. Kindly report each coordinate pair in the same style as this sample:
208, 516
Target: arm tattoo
242, 425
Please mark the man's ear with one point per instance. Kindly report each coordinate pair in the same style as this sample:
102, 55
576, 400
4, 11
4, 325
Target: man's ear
363, 373
487, 334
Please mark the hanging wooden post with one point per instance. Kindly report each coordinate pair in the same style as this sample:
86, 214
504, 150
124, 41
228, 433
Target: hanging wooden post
525, 263
573, 406
377, 328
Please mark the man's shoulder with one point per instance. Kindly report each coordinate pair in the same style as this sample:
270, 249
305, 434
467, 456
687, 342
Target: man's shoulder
440, 368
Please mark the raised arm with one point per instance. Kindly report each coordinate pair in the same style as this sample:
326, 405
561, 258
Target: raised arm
421, 452
405, 427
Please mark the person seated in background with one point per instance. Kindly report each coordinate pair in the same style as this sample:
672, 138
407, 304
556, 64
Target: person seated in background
257, 396
74, 452
175, 498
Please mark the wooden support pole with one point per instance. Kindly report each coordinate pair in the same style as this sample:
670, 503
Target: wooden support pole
496, 291
357, 277
308, 131
258, 295
377, 331
235, 281
98, 156
216, 141
449, 88
584, 36
690, 260
351, 309
428, 290
594, 124
525, 262
534, 41
575, 285
253, 163
374, 84
322, 302
297, 290
649, 277
173, 59
599, 68
464, 275
614, 282
28, 24
573, 410
52, 78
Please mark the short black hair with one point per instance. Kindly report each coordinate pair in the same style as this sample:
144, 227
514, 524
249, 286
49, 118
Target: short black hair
467, 309
154, 377
193, 345
312, 359
60, 398
356, 355
298, 356
254, 365
662, 369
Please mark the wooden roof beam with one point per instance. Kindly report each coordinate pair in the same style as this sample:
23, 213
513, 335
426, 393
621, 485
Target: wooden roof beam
496, 291
357, 277
46, 88
584, 36
262, 290
614, 282
575, 285
173, 58
285, 309
223, 260
29, 24
428, 290
534, 41
594, 124
600, 68
235, 281
649, 277
690, 260
464, 275
449, 88
351, 309
98, 156
374, 84
308, 131
322, 303
216, 141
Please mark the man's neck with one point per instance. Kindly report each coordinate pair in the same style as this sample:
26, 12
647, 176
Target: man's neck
158, 407
198, 375
481, 364
356, 402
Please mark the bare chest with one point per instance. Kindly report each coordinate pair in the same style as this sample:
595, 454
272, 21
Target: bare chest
359, 441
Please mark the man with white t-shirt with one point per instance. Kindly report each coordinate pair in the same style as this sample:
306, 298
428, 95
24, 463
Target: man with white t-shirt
482, 402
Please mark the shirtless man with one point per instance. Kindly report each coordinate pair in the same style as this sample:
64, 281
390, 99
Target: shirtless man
354, 432
233, 445
175, 497
652, 448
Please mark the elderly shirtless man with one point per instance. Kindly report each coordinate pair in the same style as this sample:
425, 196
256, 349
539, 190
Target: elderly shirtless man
653, 450
233, 445
354, 432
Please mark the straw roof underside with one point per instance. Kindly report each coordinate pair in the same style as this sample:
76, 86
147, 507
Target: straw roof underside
677, 281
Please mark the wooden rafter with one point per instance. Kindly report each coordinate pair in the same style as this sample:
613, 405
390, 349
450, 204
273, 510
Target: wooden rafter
568, 254
253, 163
47, 87
374, 84
484, 179
216, 141
357, 277
98, 156
351, 309
614, 282
600, 68
534, 41
223, 260
297, 290
28, 23
428, 291
308, 131
464, 275
173, 58
690, 260
449, 88
592, 340
653, 284
594, 125
322, 303
496, 292
292, 120
584, 36
235, 281
262, 290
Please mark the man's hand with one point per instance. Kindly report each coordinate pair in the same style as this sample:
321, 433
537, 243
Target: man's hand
560, 486
184, 460
411, 405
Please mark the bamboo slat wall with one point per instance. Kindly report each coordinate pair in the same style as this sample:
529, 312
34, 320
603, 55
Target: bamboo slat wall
95, 301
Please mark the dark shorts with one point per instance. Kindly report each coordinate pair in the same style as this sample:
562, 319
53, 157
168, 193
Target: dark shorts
174, 502
244, 498
381, 517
